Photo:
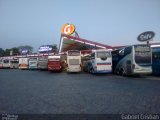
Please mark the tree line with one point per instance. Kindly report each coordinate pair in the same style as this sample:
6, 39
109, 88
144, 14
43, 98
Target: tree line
17, 50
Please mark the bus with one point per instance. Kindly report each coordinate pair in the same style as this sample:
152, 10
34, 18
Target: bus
54, 63
6, 63
33, 63
73, 61
98, 61
131, 60
42, 62
14, 63
23, 63
155, 59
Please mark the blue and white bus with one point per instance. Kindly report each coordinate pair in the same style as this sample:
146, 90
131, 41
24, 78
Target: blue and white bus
155, 59
99, 61
130, 60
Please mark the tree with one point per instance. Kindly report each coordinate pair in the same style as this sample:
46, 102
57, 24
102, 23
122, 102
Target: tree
1, 52
26, 47
15, 51
7, 52
54, 48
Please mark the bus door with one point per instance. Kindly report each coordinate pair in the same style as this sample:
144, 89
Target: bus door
128, 67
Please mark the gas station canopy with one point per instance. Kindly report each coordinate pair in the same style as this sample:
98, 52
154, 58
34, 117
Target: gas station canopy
68, 42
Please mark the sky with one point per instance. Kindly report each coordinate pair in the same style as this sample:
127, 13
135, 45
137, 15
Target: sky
110, 22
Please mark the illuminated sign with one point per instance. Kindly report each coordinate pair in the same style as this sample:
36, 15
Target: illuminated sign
141, 48
24, 51
146, 36
45, 48
68, 29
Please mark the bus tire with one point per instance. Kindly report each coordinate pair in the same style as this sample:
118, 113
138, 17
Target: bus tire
92, 71
121, 72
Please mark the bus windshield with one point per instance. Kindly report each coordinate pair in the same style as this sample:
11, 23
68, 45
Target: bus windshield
6, 61
156, 54
14, 61
73, 53
142, 54
33, 59
103, 54
54, 59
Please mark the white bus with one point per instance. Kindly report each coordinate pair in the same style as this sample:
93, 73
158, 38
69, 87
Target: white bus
73, 61
99, 61
33, 63
6, 63
14, 63
135, 59
23, 63
42, 62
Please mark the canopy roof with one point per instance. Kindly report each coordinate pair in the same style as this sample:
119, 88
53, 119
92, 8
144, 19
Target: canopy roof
75, 43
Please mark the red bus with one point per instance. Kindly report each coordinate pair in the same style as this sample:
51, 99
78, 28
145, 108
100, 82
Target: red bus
54, 63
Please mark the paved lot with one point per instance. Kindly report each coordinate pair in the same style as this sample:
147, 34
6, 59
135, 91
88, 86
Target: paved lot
24, 91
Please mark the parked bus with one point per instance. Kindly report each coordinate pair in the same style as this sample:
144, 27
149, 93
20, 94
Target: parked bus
42, 62
99, 61
33, 63
23, 63
6, 63
54, 63
73, 61
156, 60
1, 63
135, 59
14, 63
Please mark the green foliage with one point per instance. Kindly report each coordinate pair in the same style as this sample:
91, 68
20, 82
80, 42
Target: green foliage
29, 48
54, 48
2, 52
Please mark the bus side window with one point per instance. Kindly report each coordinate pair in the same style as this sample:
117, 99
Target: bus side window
93, 56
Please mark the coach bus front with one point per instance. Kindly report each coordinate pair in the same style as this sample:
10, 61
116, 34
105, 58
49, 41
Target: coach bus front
142, 63
103, 61
156, 60
73, 61
54, 63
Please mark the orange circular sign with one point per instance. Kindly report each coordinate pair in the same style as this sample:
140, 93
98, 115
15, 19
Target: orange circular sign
68, 29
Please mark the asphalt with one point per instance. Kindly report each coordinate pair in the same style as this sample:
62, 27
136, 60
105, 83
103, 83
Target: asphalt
43, 92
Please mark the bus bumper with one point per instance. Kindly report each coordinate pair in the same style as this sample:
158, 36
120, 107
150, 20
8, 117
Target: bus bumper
53, 68
103, 71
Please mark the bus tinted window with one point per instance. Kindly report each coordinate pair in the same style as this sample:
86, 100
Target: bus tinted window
142, 54
14, 61
33, 59
6, 61
156, 53
103, 54
127, 50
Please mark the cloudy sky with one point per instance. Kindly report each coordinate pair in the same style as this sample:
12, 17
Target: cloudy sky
111, 22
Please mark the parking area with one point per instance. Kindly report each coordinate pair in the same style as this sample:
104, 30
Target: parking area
24, 91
